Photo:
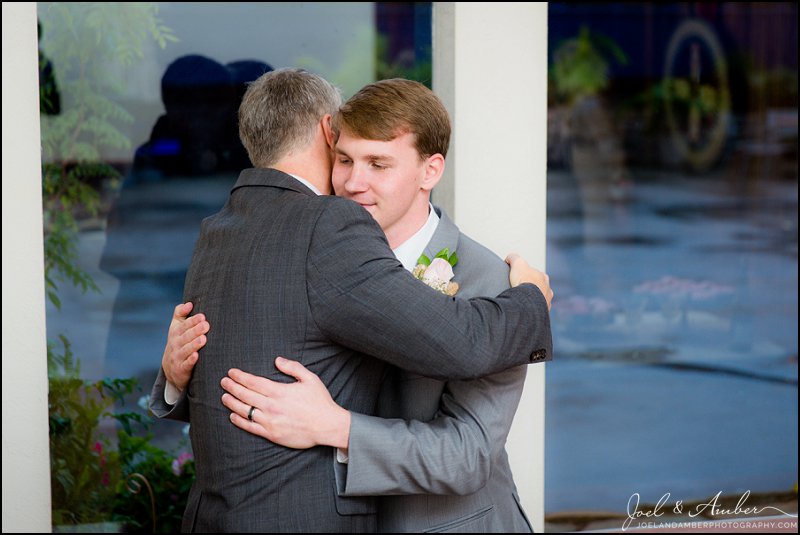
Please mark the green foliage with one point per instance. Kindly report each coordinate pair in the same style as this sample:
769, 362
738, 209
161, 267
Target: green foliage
451, 258
96, 479
94, 471
64, 194
157, 485
84, 41
90, 44
580, 65
84, 470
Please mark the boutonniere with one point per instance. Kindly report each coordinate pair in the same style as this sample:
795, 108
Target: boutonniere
437, 273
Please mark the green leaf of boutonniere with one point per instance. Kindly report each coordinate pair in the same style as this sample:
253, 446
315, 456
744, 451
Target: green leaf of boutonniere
445, 254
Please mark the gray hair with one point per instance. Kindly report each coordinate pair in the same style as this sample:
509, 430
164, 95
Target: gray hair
280, 111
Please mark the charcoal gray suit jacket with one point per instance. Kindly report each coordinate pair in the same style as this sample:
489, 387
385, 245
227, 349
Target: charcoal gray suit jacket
281, 271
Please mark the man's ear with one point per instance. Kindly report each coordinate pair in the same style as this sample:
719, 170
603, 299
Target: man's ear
434, 168
327, 129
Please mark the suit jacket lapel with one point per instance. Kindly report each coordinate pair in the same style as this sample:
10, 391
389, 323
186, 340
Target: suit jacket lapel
445, 235
269, 178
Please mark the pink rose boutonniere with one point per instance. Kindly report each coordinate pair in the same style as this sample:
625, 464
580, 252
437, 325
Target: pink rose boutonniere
437, 273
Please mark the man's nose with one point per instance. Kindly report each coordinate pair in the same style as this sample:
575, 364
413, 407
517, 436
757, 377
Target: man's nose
357, 181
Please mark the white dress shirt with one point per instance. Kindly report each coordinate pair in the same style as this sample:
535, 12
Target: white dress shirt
307, 184
410, 250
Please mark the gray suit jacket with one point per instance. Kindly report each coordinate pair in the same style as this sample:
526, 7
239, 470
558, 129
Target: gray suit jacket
439, 448
280, 271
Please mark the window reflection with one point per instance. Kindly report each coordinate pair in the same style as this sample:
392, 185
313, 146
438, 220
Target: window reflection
154, 89
672, 241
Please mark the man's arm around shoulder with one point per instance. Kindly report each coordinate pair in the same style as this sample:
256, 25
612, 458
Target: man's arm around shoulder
362, 298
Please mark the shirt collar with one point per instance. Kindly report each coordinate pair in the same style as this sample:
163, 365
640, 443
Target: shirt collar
410, 250
307, 184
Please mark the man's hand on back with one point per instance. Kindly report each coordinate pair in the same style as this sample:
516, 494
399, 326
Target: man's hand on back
521, 273
186, 336
300, 414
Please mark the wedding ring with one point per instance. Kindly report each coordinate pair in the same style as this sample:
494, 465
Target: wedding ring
250, 414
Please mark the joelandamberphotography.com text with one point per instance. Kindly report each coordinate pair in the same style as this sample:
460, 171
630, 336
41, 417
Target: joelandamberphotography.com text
647, 516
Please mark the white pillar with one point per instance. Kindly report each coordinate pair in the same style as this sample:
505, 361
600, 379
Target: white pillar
490, 69
26, 456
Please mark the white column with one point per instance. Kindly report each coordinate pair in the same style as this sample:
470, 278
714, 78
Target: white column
26, 457
490, 69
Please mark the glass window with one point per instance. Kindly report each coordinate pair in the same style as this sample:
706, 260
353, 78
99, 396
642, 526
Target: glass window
672, 249
140, 143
